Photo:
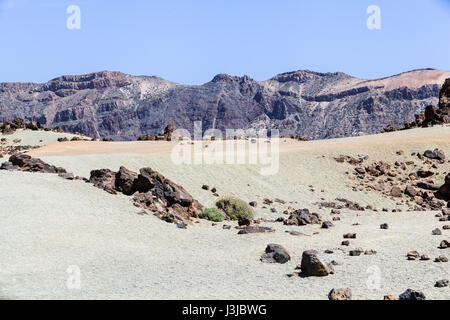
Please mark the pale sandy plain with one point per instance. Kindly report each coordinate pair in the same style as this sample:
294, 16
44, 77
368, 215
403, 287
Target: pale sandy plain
48, 224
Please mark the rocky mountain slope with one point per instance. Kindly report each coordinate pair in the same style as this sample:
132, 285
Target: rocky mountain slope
304, 103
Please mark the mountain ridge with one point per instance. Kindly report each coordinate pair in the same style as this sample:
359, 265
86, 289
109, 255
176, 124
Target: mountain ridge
302, 102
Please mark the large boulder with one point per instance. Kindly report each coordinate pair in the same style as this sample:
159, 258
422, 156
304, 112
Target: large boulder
311, 265
275, 253
162, 187
444, 191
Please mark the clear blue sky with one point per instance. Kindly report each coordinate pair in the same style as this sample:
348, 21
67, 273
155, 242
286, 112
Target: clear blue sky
192, 40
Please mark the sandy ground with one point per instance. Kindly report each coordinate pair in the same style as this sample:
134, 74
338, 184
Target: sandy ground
49, 224
35, 138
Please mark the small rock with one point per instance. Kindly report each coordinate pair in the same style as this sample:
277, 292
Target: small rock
340, 294
396, 192
412, 255
441, 259
412, 295
444, 244
182, 225
441, 283
350, 236
425, 257
256, 229
327, 225
436, 232
356, 252
384, 226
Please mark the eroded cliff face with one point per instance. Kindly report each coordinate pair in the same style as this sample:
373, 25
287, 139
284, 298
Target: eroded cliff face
304, 103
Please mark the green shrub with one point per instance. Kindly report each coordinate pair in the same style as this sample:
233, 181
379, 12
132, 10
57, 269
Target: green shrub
212, 214
234, 208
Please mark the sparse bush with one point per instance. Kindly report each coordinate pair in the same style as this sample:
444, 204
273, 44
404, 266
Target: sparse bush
212, 214
234, 208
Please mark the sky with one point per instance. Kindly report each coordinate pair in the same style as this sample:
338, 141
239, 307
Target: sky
191, 41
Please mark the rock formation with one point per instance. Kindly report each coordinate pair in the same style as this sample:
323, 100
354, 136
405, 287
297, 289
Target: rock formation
150, 190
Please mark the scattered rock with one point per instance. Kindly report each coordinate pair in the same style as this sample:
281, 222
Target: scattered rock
327, 225
340, 294
444, 244
436, 232
244, 221
412, 295
303, 217
356, 252
441, 259
413, 255
436, 154
425, 257
396, 192
256, 229
441, 283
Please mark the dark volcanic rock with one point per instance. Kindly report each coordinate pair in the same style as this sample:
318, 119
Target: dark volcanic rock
444, 191
256, 229
124, 181
104, 179
275, 253
25, 162
412, 295
93, 104
441, 283
303, 217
